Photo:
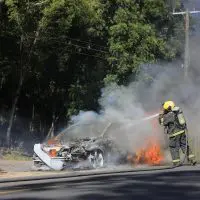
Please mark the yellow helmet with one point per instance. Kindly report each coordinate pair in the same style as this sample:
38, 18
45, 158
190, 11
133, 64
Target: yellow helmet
168, 104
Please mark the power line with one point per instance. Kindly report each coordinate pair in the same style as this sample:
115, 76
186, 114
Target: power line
73, 39
85, 47
85, 54
76, 45
89, 48
86, 42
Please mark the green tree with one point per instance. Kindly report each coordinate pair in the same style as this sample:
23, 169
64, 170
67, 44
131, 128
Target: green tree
23, 25
136, 36
77, 42
58, 54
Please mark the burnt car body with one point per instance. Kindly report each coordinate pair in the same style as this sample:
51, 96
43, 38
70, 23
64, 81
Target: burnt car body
90, 152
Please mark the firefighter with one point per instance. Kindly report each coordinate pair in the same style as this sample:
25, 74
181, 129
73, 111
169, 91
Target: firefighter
175, 127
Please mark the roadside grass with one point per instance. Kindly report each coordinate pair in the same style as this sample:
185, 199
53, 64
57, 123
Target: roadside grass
18, 155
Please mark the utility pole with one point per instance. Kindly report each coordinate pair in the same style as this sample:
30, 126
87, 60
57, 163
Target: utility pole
187, 51
187, 48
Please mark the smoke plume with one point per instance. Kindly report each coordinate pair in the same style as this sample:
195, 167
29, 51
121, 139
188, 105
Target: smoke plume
125, 106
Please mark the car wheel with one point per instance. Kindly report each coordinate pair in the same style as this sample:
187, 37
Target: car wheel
96, 159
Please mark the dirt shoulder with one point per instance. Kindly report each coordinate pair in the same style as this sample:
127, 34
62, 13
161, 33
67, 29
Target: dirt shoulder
16, 169
15, 166
9, 175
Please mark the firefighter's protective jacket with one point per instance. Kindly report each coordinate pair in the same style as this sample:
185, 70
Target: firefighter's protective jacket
170, 121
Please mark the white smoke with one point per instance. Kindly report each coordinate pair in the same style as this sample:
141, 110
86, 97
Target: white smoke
130, 127
126, 106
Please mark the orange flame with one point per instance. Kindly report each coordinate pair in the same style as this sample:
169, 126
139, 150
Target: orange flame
53, 141
151, 155
52, 153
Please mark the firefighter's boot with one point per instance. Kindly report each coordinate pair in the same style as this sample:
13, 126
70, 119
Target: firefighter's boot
192, 162
191, 159
176, 164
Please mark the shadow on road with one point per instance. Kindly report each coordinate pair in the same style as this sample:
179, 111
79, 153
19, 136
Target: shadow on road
182, 185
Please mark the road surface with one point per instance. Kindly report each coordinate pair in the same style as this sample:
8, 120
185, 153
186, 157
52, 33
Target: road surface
15, 166
180, 183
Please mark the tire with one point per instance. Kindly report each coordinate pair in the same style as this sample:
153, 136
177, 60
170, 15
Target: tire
96, 159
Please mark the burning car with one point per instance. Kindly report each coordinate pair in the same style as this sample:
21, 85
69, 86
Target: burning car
95, 152
73, 149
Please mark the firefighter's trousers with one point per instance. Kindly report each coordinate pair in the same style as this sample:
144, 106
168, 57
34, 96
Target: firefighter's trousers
177, 142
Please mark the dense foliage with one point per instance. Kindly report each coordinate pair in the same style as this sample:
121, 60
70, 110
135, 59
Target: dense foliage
56, 55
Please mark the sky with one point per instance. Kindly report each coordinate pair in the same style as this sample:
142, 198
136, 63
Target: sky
194, 5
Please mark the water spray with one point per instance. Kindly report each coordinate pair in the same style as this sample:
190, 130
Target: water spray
137, 122
150, 117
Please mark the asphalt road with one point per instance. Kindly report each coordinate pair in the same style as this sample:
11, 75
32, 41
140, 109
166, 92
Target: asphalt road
180, 183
